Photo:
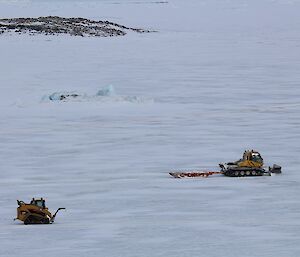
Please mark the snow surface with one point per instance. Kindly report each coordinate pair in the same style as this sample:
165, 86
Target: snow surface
223, 76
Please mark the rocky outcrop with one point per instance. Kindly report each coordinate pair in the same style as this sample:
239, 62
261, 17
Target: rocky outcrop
54, 25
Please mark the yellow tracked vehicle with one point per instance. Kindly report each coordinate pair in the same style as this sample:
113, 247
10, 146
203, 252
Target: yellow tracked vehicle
251, 164
35, 212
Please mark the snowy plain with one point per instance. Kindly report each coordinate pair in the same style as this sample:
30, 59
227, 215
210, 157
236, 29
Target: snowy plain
217, 78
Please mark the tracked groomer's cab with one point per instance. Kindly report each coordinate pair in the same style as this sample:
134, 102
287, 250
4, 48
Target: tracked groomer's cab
35, 212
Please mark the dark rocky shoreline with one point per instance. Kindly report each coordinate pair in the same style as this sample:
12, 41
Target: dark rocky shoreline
54, 25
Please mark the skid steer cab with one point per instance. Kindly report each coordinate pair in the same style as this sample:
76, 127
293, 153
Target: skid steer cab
35, 212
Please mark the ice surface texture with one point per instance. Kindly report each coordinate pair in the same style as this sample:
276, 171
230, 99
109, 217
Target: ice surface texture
226, 78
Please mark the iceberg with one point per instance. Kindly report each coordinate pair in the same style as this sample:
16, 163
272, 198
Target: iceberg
107, 91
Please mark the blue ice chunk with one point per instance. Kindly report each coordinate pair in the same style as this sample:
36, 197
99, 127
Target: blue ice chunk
107, 91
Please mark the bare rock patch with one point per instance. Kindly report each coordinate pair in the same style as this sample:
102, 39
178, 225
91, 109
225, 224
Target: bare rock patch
54, 25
